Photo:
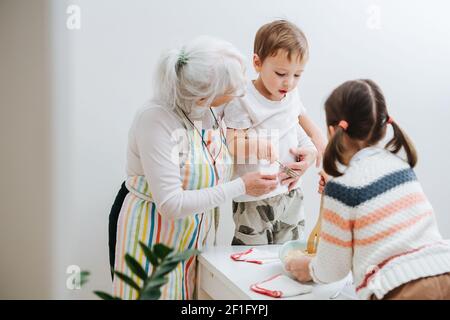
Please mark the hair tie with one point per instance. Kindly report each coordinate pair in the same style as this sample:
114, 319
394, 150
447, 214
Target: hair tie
182, 58
343, 124
390, 120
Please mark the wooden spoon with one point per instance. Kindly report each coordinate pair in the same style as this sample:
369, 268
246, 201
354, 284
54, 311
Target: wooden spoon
313, 239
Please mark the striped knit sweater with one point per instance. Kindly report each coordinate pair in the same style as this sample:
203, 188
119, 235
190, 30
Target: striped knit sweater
378, 223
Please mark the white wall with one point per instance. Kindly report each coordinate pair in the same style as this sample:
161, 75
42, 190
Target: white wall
103, 72
25, 118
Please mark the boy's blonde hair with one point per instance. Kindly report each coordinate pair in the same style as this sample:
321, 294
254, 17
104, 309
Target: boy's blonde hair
280, 34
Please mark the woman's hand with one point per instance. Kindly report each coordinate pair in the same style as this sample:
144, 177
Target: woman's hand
257, 184
306, 157
299, 268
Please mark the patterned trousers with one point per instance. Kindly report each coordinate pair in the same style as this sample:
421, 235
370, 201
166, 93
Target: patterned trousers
273, 220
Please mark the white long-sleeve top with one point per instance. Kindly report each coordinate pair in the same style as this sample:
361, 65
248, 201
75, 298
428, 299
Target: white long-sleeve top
152, 152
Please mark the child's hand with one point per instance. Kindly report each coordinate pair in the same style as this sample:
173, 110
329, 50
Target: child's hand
299, 168
305, 157
299, 268
323, 181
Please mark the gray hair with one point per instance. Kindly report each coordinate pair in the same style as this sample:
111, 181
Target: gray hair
204, 68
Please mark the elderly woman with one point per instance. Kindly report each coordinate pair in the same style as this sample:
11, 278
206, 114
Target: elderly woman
178, 164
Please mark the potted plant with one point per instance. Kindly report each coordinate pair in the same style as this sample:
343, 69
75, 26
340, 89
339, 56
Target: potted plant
163, 259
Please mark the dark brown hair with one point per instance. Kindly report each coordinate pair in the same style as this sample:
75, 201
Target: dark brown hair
362, 105
280, 34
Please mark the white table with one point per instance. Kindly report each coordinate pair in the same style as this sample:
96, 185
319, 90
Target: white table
221, 278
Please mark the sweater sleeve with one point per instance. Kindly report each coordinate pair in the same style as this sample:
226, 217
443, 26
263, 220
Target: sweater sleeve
333, 260
159, 154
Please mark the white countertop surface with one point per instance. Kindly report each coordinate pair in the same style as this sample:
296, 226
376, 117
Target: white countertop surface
239, 276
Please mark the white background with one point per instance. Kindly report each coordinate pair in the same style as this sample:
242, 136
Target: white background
94, 78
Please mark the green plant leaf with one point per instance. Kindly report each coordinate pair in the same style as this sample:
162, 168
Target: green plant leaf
84, 277
153, 294
161, 250
155, 283
182, 256
164, 260
149, 254
172, 261
165, 268
152, 289
135, 267
83, 282
105, 296
127, 280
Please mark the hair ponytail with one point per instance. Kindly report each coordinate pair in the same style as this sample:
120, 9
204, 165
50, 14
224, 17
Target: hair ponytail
399, 140
167, 79
334, 153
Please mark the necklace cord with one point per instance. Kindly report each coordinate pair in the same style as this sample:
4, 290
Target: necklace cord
203, 140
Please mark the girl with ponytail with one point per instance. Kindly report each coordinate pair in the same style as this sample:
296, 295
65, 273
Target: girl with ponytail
376, 220
357, 117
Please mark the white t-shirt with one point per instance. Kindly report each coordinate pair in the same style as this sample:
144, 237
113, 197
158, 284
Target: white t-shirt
275, 120
151, 145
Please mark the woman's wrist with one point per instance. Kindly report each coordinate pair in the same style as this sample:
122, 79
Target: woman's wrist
237, 187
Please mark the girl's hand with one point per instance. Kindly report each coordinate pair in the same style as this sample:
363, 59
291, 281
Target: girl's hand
299, 268
257, 184
323, 181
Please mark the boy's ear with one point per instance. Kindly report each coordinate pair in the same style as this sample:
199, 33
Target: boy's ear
257, 62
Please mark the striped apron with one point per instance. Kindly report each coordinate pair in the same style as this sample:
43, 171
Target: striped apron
139, 219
